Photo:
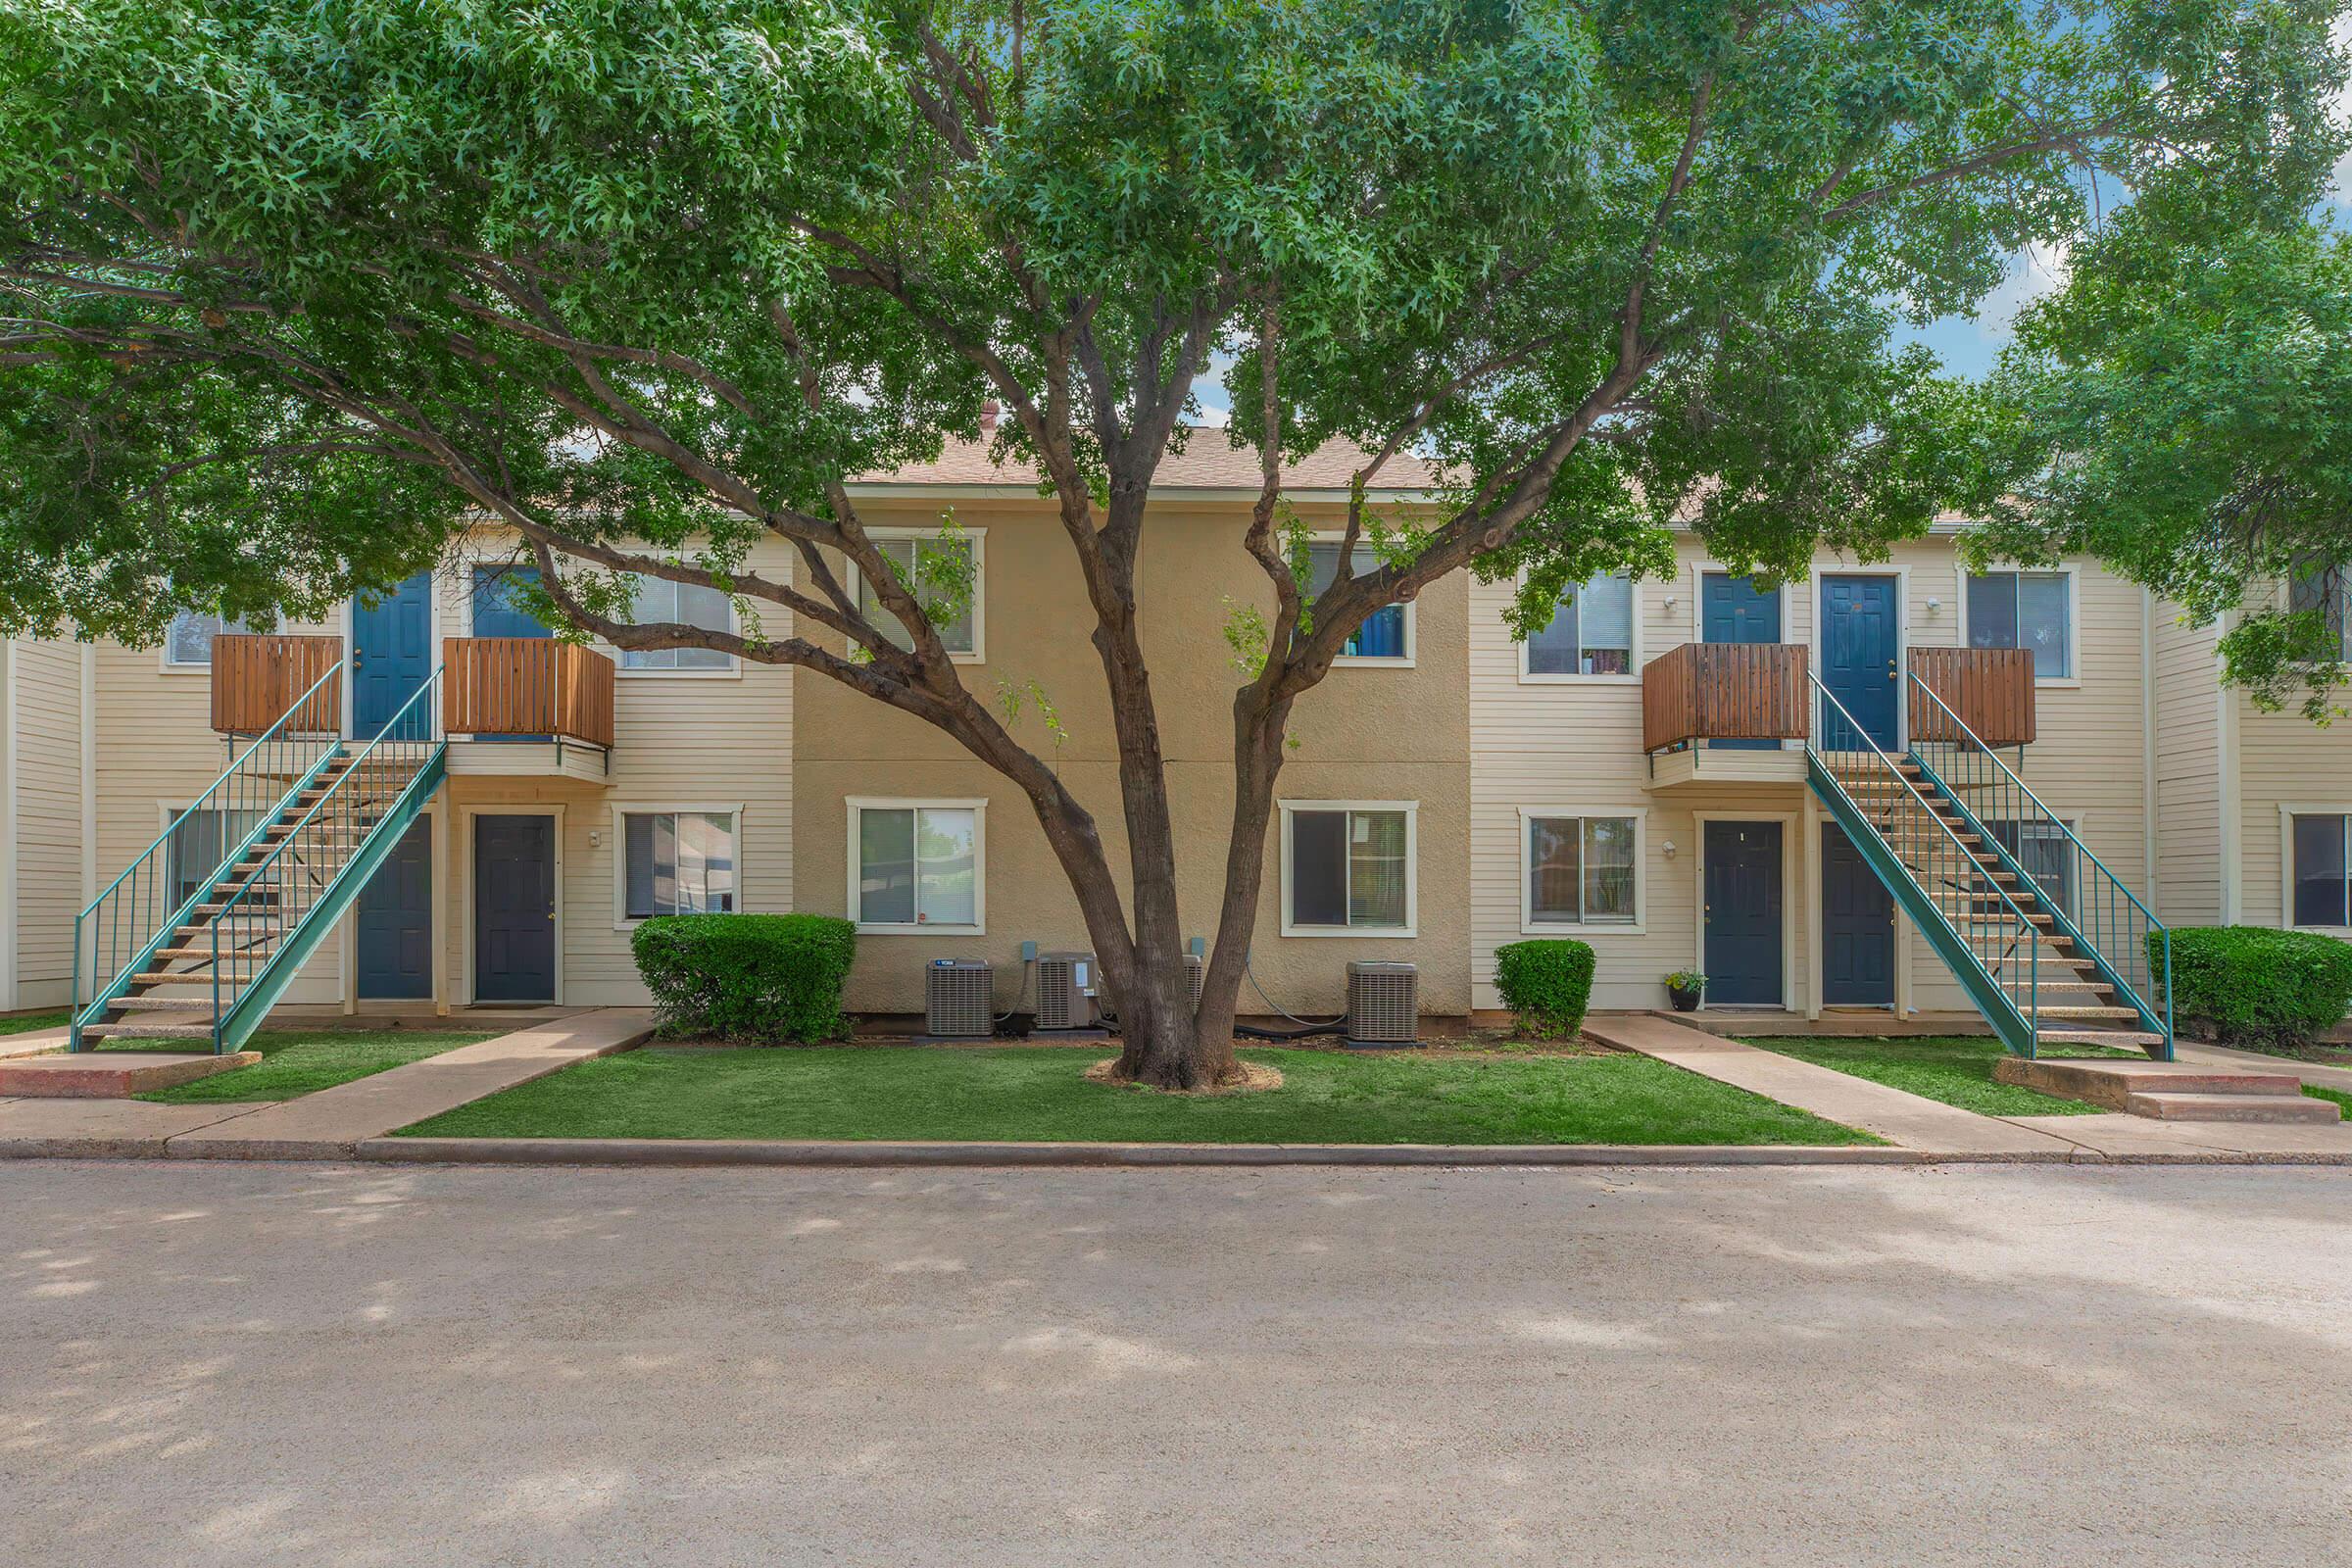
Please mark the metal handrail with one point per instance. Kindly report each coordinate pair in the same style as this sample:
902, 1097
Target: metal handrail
2095, 899
140, 872
2023, 928
338, 797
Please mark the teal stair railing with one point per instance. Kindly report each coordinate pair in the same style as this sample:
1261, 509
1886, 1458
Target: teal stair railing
119, 935
2105, 921
276, 915
1985, 936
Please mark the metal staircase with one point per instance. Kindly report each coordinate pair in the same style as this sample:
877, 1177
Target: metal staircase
2046, 950
174, 952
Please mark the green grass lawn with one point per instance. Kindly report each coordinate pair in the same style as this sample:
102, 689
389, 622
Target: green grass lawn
1035, 1093
26, 1022
1953, 1068
298, 1061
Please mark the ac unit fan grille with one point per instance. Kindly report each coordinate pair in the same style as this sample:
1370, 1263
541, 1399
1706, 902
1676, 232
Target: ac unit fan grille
959, 1000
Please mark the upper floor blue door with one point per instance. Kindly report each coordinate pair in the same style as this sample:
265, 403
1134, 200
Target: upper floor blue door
1734, 609
1861, 634
391, 653
495, 610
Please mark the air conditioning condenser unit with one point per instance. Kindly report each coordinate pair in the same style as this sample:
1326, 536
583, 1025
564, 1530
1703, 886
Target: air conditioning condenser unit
960, 999
1384, 1006
1067, 985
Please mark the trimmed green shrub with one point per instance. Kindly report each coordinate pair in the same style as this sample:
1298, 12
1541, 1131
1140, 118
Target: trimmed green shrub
2248, 985
1547, 983
767, 979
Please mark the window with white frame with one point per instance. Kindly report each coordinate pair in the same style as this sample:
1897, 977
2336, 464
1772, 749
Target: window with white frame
2327, 590
1591, 633
188, 645
959, 634
2045, 854
2030, 610
2322, 869
916, 864
1347, 868
682, 603
1582, 870
677, 863
1386, 633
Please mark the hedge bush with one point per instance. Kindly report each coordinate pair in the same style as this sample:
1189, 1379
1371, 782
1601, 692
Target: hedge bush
1546, 982
765, 979
2252, 985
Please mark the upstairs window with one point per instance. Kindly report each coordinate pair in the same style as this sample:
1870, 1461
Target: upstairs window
681, 604
2032, 610
188, 645
959, 634
1581, 871
1386, 634
2323, 873
1591, 633
2327, 590
1348, 869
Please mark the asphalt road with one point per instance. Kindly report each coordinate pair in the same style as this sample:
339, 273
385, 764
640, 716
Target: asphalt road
222, 1364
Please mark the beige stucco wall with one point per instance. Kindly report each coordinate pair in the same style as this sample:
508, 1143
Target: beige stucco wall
1384, 734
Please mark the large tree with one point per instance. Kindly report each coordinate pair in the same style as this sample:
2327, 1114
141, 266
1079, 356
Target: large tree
2183, 409
293, 292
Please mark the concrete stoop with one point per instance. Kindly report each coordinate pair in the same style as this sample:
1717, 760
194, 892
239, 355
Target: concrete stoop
111, 1074
2171, 1091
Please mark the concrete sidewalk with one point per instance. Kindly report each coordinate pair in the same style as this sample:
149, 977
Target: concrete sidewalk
1905, 1121
328, 1125
1946, 1132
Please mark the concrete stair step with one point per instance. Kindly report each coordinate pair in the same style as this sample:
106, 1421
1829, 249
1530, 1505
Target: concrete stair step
2173, 1107
138, 1029
2117, 1082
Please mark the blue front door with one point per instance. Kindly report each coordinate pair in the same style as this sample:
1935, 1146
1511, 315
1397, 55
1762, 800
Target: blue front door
1732, 609
1741, 920
1861, 630
396, 920
1858, 926
515, 909
391, 653
496, 611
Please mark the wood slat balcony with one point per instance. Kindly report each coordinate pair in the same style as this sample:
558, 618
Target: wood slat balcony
526, 686
1724, 692
258, 678
1991, 690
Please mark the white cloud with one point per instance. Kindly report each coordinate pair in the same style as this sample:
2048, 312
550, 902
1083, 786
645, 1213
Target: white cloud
2039, 268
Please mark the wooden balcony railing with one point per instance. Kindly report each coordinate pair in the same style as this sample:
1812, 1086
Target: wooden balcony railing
1724, 692
526, 686
255, 680
1989, 689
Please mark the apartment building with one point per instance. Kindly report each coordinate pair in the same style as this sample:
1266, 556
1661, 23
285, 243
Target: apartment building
1891, 786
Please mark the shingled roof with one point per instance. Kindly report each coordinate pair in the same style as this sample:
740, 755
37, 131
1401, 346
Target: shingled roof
1209, 462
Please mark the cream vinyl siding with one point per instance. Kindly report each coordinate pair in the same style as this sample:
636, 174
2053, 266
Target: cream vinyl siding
2188, 768
687, 737
44, 766
2283, 759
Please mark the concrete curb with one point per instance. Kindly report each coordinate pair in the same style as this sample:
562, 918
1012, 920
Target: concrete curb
732, 1151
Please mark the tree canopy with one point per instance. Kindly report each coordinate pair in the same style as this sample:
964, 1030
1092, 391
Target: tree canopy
289, 294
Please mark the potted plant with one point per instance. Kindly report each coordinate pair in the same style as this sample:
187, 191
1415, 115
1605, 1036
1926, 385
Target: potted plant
1684, 986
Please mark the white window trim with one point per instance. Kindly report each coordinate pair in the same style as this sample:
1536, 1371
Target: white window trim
1413, 627
2287, 812
855, 906
622, 670
622, 810
2074, 615
1633, 653
979, 538
1412, 870
165, 663
1529, 926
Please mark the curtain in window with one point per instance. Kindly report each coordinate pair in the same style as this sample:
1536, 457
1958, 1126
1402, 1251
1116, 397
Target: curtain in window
1375, 868
1609, 870
658, 599
681, 864
1555, 869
